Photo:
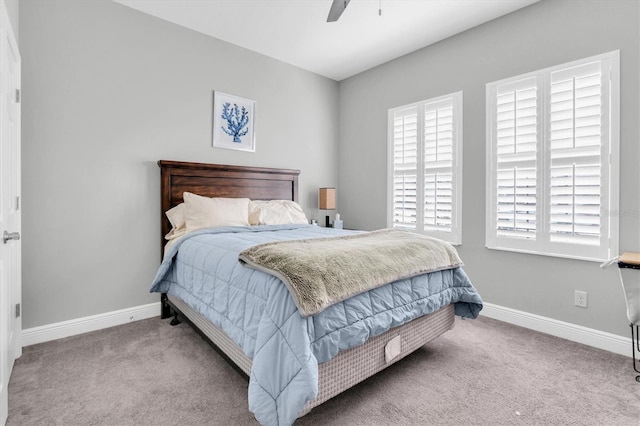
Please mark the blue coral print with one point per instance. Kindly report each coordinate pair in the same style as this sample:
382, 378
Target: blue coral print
237, 119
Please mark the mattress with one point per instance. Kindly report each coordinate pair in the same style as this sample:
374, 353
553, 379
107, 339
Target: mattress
348, 368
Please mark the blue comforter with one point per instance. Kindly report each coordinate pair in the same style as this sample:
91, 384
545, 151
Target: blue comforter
257, 312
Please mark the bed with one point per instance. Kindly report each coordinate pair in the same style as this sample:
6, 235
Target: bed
329, 371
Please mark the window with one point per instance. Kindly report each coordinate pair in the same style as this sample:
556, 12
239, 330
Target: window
553, 154
425, 167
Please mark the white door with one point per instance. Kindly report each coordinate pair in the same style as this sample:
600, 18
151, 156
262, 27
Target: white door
10, 223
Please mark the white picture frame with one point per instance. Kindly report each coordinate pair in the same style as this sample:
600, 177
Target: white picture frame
233, 122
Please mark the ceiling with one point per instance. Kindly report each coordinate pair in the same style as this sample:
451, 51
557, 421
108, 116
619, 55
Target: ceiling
296, 31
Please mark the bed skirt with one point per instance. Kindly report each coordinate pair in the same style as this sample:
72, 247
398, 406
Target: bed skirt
349, 367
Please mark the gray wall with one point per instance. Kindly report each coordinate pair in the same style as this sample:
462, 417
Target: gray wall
545, 34
108, 91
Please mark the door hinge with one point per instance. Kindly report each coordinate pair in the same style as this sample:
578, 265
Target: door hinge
18, 202
17, 310
17, 96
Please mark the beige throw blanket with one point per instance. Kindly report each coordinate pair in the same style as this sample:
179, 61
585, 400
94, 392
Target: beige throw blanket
322, 271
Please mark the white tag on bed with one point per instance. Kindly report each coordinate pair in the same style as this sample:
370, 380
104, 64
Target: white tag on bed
393, 349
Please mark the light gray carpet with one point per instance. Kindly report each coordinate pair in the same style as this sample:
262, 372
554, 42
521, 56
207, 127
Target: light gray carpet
484, 372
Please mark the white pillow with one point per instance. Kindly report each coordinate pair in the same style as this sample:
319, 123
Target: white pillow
204, 212
276, 212
177, 218
254, 212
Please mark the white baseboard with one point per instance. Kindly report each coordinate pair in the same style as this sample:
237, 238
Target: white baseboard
59, 330
576, 333
587, 336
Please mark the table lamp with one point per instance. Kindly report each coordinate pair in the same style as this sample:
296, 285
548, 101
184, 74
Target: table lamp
327, 201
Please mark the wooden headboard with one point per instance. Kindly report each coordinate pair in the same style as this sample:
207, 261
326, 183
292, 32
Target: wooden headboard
219, 180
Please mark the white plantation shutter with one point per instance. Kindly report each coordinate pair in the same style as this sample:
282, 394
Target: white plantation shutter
438, 201
404, 201
516, 148
553, 156
575, 144
516, 202
405, 163
438, 165
426, 167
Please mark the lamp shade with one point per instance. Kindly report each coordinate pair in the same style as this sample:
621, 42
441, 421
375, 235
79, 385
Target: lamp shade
327, 199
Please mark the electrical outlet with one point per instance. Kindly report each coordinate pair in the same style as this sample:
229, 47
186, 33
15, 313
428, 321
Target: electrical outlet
580, 298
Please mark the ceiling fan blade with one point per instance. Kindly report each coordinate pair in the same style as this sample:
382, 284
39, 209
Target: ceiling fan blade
337, 7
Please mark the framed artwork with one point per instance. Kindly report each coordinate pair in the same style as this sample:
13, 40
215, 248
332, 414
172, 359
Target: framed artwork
233, 122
